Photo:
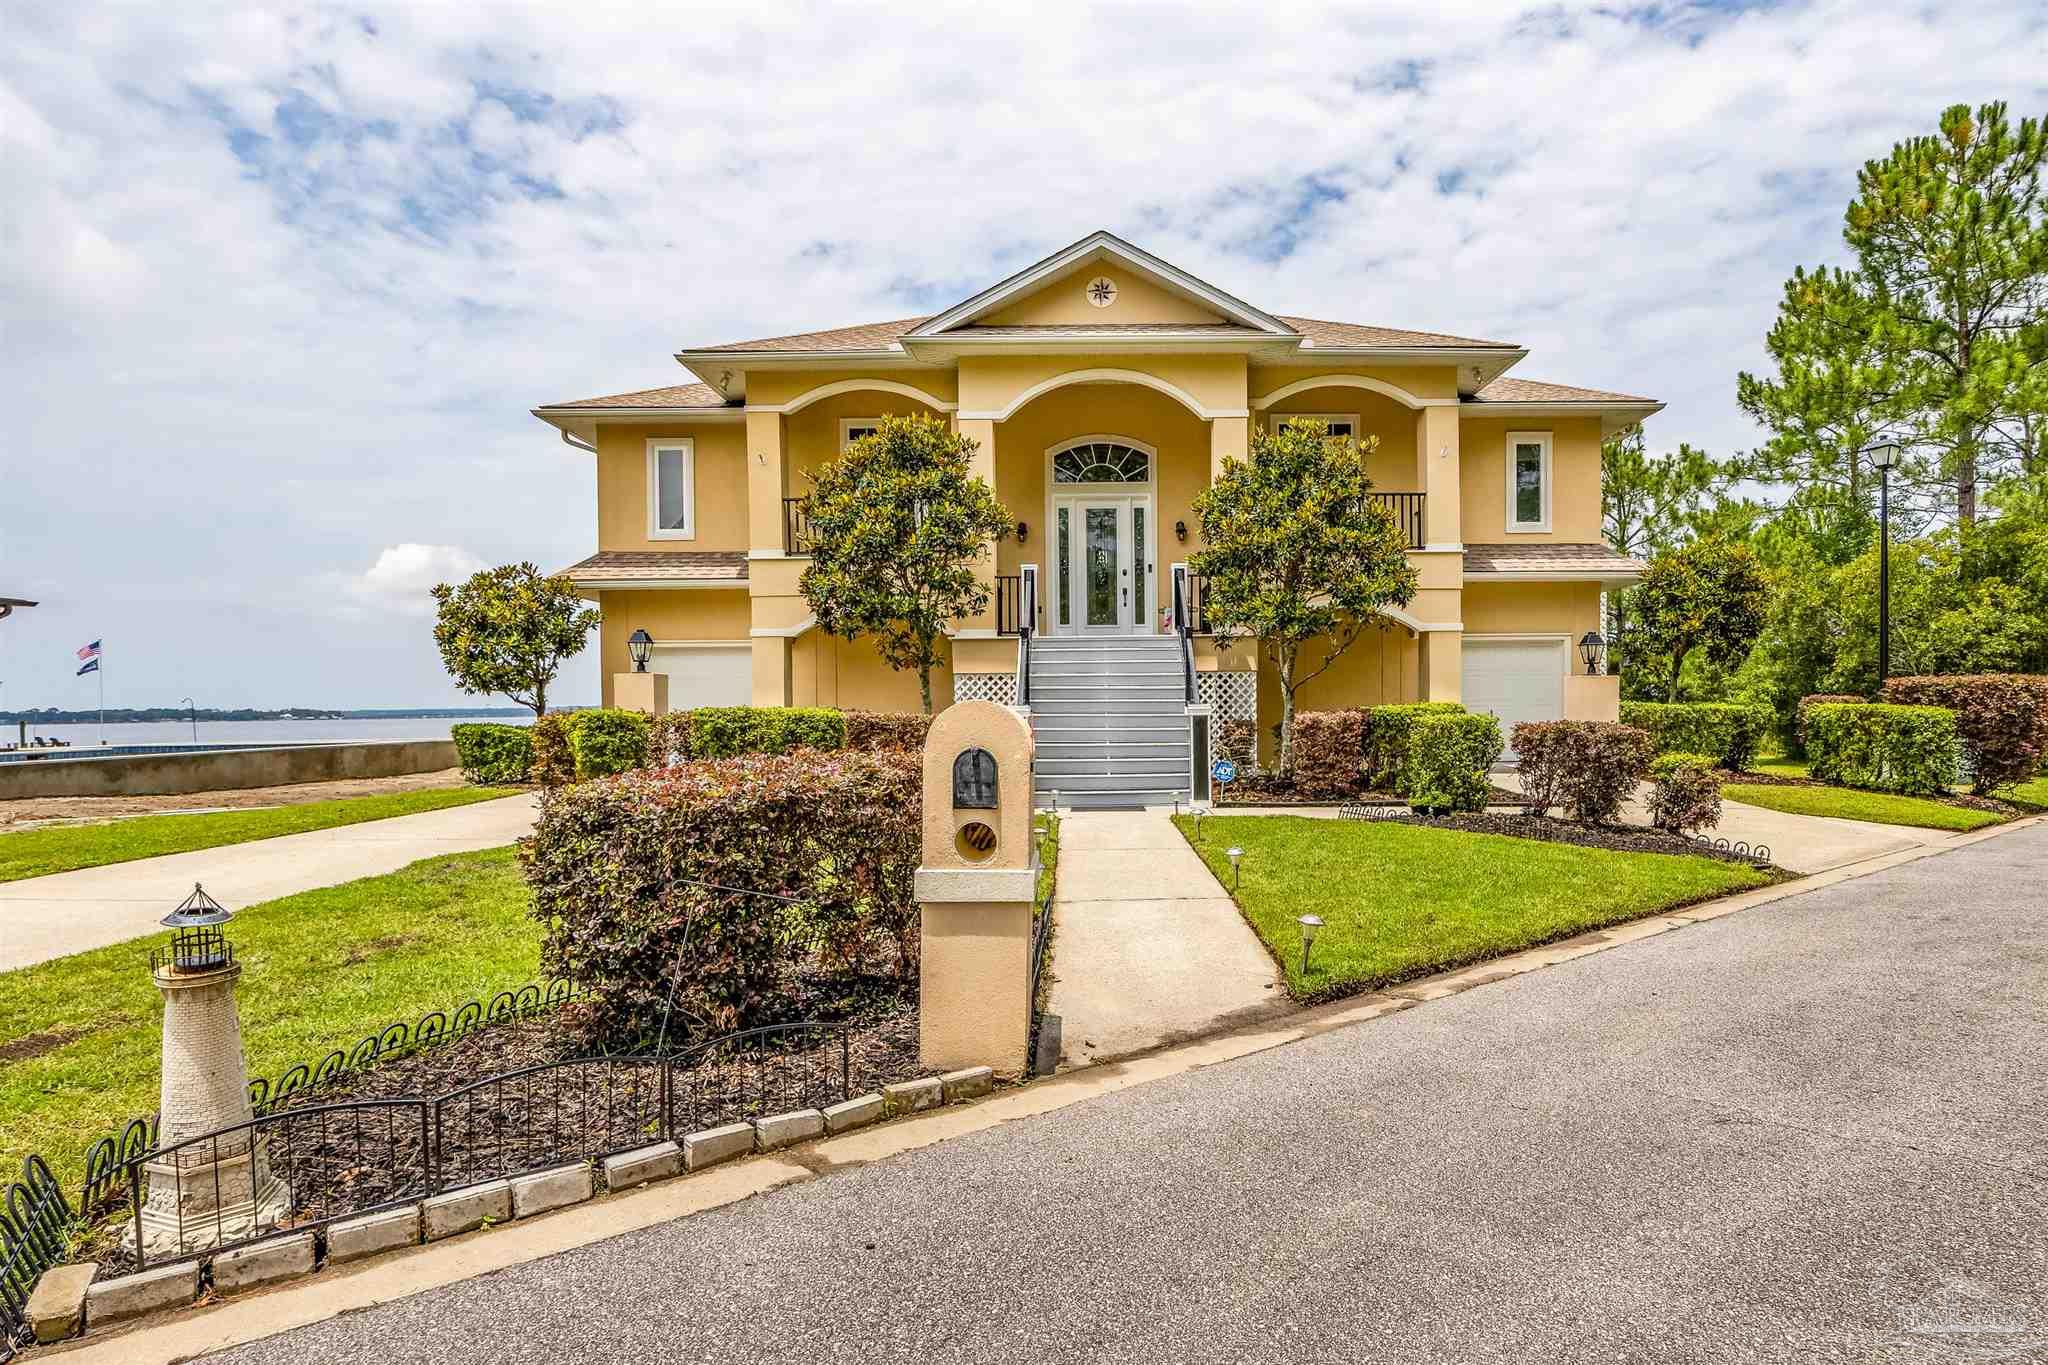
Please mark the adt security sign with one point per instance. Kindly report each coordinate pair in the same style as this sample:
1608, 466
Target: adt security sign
1224, 771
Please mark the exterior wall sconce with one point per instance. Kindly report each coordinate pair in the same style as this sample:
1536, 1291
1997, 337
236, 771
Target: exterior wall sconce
639, 644
1591, 647
1309, 924
1180, 530
1023, 530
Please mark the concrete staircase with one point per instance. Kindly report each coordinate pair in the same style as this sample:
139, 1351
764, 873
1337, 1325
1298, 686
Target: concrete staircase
1108, 713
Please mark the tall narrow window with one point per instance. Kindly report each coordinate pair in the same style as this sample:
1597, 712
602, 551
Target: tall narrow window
1528, 468
1066, 540
671, 489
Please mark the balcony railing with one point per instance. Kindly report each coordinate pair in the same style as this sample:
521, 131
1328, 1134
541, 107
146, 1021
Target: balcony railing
1009, 603
796, 527
1407, 509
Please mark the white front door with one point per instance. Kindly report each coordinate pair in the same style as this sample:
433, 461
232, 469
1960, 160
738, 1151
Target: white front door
1514, 680
1106, 578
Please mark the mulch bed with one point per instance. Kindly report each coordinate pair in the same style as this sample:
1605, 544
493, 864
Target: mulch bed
339, 1161
1620, 838
1263, 792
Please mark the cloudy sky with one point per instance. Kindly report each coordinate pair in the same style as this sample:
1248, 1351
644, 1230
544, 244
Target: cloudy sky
279, 284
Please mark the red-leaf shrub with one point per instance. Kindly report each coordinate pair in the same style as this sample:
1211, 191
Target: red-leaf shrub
894, 731
1238, 741
626, 876
668, 739
1328, 748
553, 764
1686, 794
1588, 767
2002, 719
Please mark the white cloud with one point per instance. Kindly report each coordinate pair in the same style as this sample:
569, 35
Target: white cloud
280, 283
402, 580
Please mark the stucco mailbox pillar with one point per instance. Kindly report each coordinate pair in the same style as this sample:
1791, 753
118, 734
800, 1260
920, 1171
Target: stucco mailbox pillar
974, 890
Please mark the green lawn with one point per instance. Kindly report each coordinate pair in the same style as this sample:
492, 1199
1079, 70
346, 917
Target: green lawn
1847, 803
1783, 767
1400, 901
63, 848
79, 1036
2032, 793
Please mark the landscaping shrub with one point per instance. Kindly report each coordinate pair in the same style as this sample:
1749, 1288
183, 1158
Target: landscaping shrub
668, 739
1588, 767
1686, 795
729, 731
888, 731
1910, 749
1328, 748
1449, 754
1387, 730
493, 753
554, 764
607, 740
2002, 719
1728, 731
643, 883
1238, 741
1817, 699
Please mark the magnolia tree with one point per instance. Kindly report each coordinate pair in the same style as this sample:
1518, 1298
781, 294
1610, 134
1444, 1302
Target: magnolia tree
507, 630
898, 526
1298, 557
1709, 596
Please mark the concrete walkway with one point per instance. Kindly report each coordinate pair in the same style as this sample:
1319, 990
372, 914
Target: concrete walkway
69, 912
1147, 948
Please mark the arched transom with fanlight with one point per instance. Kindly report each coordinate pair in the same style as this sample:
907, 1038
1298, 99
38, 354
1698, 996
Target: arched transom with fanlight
1101, 462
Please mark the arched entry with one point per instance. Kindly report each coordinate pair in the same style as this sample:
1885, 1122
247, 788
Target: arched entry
1101, 506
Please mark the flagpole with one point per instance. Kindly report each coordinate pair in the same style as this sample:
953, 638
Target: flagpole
101, 660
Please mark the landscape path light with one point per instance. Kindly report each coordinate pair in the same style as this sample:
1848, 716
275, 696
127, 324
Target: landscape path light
1309, 924
1236, 856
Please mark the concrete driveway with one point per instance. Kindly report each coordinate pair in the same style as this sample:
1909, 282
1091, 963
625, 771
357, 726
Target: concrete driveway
69, 912
1147, 948
1815, 1131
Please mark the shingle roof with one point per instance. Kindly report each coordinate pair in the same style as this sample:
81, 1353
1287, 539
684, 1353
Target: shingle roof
1109, 329
674, 396
1324, 333
1506, 390
633, 566
868, 336
1550, 557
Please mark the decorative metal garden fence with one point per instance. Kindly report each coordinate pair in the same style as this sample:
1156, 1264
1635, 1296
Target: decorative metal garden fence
1041, 942
304, 1167
35, 1219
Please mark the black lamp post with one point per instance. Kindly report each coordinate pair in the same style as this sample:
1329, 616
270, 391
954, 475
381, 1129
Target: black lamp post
639, 644
1591, 647
198, 945
1885, 458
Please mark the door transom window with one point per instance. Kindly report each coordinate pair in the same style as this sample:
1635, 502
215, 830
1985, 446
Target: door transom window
1101, 462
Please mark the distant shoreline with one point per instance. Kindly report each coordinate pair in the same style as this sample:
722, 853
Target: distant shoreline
158, 714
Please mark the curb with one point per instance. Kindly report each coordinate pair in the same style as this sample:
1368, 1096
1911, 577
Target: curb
162, 1340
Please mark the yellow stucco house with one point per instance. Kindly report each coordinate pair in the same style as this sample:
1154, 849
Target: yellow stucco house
1104, 387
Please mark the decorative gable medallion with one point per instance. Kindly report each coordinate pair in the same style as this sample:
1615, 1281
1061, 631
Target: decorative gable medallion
1101, 291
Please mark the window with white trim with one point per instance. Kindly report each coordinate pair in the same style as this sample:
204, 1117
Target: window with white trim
851, 429
1528, 471
1336, 423
671, 488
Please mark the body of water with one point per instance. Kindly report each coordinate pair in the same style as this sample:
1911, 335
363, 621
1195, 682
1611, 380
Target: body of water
87, 736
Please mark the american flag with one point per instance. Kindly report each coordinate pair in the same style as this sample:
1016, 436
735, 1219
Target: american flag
91, 651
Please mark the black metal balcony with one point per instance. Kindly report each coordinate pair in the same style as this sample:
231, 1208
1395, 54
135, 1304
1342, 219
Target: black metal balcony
1407, 509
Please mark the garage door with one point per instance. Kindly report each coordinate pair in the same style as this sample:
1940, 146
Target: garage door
1515, 680
705, 675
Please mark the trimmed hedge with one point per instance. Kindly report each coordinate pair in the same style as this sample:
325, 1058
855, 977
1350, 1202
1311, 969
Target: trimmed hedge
491, 754
627, 876
608, 740
668, 739
1328, 748
1589, 767
554, 764
1687, 793
1387, 731
729, 731
900, 732
1881, 747
1728, 731
1448, 757
2002, 719
1817, 699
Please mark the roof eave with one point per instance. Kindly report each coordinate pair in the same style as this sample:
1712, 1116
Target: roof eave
950, 347
1620, 576
1615, 416
660, 584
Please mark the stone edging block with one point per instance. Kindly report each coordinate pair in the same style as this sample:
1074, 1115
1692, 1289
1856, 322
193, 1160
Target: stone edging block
445, 1215
713, 1145
908, 1097
274, 1258
965, 1085
637, 1167
786, 1130
56, 1306
858, 1112
354, 1238
552, 1189
130, 1296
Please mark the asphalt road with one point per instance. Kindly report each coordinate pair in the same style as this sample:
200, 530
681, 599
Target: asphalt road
1816, 1131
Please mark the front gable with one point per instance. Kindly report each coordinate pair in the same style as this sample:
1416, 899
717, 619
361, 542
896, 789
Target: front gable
1101, 281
